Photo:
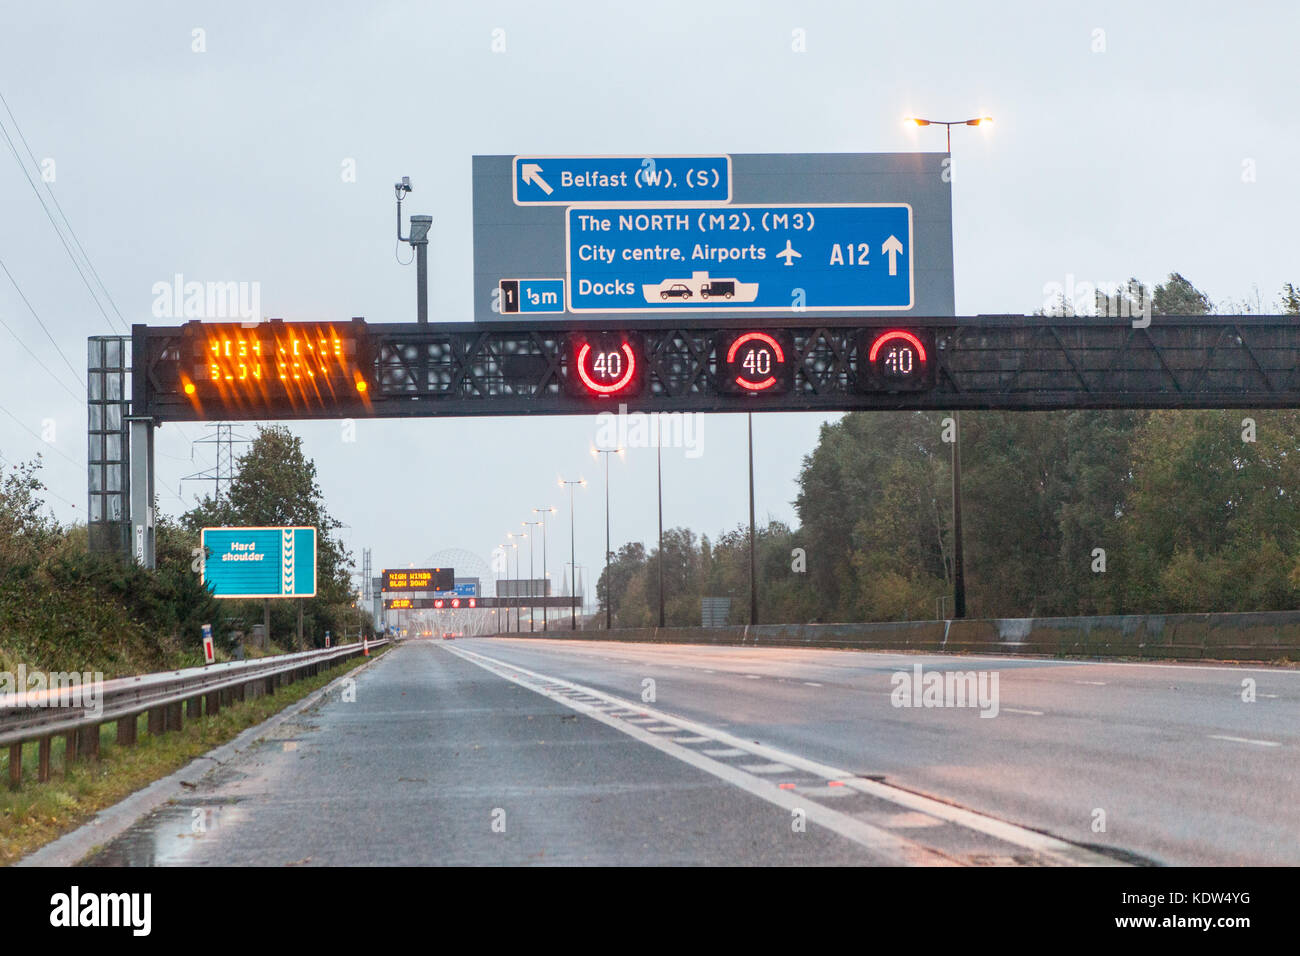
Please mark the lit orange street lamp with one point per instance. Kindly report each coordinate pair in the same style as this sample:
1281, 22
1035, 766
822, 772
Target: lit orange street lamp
958, 562
949, 124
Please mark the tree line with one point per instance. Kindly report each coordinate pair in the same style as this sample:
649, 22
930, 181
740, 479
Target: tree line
1064, 513
64, 608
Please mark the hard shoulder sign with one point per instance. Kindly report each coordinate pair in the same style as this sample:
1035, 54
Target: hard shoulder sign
260, 562
718, 235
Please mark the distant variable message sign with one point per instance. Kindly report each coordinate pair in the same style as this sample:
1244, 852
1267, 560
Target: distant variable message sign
260, 562
420, 579
478, 603
726, 236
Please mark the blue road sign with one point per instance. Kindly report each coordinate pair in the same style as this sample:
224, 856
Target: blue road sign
740, 258
664, 180
531, 296
464, 589
260, 562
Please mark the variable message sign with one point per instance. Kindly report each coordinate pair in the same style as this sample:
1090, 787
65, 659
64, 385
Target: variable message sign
420, 579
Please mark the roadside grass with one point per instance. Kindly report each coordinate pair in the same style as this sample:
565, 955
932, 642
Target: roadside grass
39, 813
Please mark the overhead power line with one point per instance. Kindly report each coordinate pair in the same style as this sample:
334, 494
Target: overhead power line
58, 451
75, 239
57, 231
27, 302
72, 232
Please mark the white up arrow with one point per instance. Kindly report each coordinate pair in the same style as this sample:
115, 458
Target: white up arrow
530, 173
892, 248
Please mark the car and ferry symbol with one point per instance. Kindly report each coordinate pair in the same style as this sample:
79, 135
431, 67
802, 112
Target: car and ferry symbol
703, 285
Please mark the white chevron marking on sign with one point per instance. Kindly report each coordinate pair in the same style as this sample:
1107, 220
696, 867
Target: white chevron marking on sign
286, 559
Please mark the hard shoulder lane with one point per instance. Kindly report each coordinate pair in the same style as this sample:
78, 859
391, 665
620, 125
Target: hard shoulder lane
439, 761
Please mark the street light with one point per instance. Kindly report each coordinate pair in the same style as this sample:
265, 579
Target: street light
546, 611
532, 576
573, 581
949, 124
607, 452
511, 536
659, 468
958, 569
573, 610
753, 590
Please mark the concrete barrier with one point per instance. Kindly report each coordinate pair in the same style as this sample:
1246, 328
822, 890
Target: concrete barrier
1251, 636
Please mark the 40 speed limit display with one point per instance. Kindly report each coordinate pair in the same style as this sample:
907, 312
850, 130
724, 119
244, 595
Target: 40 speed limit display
740, 258
755, 363
604, 364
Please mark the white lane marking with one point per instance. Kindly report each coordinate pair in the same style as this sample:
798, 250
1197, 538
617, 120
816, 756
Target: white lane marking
752, 677
812, 683
1057, 662
908, 820
642, 720
1049, 846
888, 846
692, 740
1020, 658
724, 751
833, 793
662, 730
766, 767
1246, 740
1091, 683
1017, 710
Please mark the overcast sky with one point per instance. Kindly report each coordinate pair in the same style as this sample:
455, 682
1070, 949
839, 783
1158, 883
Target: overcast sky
1130, 139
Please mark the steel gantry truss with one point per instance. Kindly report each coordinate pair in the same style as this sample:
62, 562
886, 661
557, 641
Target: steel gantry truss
981, 362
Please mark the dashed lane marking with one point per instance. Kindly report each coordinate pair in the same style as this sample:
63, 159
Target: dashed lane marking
1046, 847
1245, 740
888, 847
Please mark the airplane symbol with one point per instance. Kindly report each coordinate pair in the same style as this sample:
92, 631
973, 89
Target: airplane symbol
789, 254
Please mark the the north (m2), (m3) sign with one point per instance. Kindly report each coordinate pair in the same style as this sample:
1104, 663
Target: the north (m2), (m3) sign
260, 562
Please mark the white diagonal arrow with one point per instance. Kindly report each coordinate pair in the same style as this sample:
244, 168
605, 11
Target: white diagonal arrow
892, 248
531, 173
